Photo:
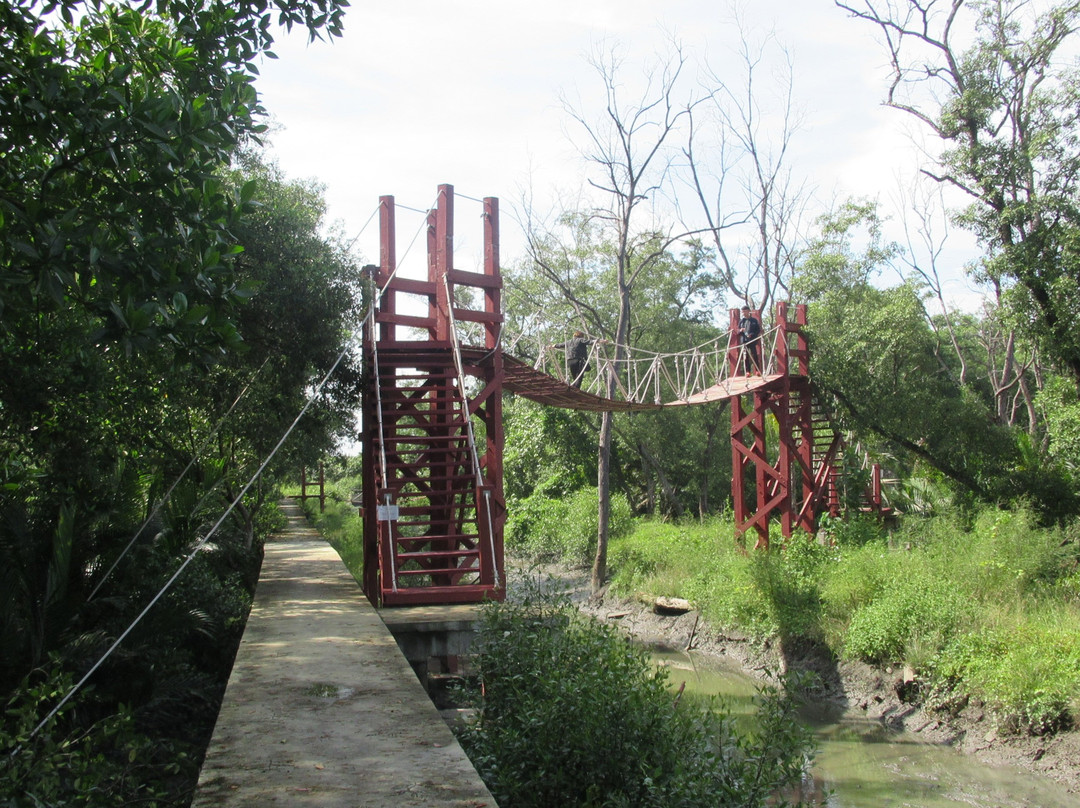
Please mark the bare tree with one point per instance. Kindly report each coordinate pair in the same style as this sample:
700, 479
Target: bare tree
993, 354
926, 231
737, 156
629, 148
992, 79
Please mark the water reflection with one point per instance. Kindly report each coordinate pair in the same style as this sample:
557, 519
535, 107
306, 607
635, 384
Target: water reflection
862, 764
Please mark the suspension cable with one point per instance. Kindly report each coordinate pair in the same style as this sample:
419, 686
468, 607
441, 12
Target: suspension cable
383, 465
362, 229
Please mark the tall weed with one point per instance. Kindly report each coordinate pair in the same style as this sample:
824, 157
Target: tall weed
1024, 664
983, 605
545, 529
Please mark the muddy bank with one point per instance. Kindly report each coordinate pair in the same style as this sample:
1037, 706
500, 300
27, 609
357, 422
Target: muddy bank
876, 693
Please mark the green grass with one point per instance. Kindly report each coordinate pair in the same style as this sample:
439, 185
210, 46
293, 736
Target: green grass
541, 528
987, 608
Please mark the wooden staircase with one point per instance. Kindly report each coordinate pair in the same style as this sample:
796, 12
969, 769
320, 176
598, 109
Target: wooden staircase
826, 448
434, 532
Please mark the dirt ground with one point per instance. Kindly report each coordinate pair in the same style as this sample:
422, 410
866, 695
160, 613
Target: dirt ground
850, 685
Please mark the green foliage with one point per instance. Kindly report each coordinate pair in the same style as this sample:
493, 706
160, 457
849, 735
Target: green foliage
982, 606
650, 553
905, 615
547, 449
1060, 405
572, 713
122, 313
698, 561
860, 575
856, 530
545, 529
71, 762
1026, 668
921, 391
788, 577
1033, 683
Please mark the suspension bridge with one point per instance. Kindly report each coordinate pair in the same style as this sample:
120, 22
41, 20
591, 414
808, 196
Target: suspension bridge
433, 504
319, 679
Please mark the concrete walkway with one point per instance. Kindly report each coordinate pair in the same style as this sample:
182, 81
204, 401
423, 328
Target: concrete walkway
322, 709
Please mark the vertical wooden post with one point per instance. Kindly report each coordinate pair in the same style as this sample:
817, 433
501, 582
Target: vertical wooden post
738, 457
322, 488
387, 265
493, 378
785, 419
441, 262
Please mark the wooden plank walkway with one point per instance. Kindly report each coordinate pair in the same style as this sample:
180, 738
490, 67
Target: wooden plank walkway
322, 709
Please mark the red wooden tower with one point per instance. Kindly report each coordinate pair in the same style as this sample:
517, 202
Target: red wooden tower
796, 480
433, 506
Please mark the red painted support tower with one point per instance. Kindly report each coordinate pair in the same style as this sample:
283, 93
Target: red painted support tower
793, 482
432, 471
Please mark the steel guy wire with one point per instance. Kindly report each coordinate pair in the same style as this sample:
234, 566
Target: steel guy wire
362, 229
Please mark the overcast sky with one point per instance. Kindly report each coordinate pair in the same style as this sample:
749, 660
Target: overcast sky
467, 92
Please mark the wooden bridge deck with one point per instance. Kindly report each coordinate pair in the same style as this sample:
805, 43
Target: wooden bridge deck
322, 709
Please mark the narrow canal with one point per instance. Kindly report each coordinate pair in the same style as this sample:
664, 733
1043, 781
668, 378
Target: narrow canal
862, 764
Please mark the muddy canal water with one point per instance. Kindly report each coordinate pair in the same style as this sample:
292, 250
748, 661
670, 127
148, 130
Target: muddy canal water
861, 764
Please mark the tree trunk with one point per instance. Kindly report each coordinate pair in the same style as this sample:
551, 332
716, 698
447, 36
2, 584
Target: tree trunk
603, 487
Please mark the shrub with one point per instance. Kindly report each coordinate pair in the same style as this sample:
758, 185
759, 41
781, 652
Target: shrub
661, 556
788, 579
854, 531
1006, 554
72, 761
544, 529
1027, 670
572, 713
913, 611
859, 575
1032, 686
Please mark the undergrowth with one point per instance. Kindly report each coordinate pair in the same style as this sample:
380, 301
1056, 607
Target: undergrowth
547, 528
985, 608
573, 713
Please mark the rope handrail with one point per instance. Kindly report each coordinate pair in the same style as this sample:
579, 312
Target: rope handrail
644, 376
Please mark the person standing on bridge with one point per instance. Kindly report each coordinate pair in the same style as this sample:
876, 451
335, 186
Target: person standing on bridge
577, 357
750, 342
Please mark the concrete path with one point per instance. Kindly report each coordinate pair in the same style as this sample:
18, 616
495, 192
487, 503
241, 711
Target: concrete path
322, 709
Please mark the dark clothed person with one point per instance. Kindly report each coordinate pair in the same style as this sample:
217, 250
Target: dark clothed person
750, 340
577, 357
